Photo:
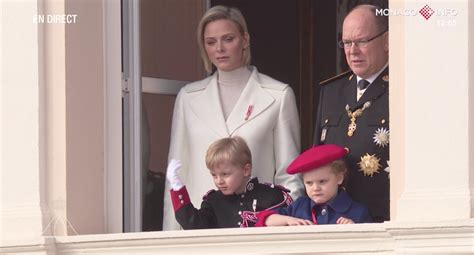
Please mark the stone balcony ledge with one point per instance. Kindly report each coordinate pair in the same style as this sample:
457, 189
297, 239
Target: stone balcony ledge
445, 237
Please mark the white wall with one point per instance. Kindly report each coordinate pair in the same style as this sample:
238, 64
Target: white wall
431, 98
471, 103
51, 39
22, 168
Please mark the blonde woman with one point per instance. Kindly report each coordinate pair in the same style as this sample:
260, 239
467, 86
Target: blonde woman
235, 100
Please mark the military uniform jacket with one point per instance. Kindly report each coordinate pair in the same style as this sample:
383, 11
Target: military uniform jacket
368, 180
228, 211
340, 206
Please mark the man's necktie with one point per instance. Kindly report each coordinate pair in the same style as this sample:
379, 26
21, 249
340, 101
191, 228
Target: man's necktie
362, 84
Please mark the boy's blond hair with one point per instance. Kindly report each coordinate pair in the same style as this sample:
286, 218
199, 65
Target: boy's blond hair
232, 149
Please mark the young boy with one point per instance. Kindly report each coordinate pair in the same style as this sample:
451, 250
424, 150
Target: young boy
238, 198
323, 171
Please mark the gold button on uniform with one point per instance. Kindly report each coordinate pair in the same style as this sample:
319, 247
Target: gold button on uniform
382, 121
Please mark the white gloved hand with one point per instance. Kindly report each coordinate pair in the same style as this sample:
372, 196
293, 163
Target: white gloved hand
172, 174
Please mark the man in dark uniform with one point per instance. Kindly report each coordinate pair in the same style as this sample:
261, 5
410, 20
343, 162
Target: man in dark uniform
353, 109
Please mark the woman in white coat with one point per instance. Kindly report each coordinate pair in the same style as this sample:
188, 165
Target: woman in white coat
235, 100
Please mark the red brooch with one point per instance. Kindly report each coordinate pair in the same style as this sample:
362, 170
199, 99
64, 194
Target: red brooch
249, 112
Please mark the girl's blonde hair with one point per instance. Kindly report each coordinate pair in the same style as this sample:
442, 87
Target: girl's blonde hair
339, 167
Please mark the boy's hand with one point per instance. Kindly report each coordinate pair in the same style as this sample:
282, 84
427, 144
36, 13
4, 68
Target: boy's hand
172, 174
292, 221
343, 220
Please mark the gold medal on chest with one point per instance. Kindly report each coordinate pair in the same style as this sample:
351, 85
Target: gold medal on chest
353, 115
369, 164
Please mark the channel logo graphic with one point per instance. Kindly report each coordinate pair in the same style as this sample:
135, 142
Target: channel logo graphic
426, 12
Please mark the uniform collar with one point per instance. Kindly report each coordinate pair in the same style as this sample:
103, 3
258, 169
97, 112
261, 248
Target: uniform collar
376, 89
372, 78
251, 184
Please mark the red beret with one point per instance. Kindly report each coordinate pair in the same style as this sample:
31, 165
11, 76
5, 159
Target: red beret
316, 157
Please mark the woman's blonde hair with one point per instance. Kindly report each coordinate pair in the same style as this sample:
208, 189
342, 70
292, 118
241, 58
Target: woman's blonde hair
217, 13
232, 149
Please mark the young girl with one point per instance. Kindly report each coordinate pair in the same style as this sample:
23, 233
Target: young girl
323, 172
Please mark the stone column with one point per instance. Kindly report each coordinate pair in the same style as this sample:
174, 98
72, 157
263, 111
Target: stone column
23, 211
432, 114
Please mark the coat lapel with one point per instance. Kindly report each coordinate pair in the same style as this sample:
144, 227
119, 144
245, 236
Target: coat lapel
253, 96
208, 108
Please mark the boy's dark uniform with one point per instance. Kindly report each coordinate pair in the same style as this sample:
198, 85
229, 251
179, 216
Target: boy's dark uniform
368, 180
229, 211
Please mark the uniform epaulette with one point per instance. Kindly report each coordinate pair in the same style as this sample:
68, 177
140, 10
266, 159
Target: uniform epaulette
277, 186
341, 75
208, 193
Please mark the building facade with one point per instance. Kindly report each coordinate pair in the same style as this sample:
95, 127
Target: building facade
61, 141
